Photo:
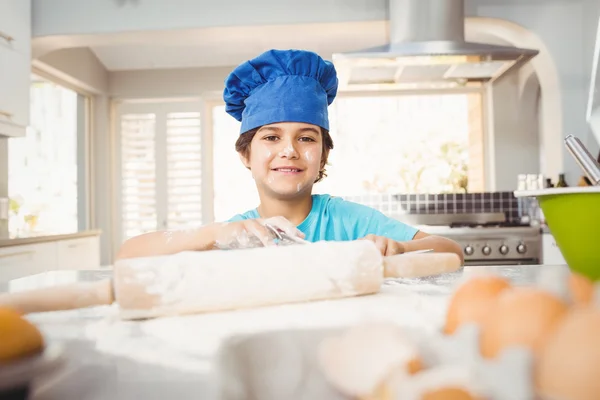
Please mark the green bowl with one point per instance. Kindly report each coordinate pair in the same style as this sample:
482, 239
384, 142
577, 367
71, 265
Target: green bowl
573, 217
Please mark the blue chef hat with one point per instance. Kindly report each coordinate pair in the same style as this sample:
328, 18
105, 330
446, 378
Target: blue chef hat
281, 86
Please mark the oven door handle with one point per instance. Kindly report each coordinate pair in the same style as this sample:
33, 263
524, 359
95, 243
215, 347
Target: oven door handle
502, 262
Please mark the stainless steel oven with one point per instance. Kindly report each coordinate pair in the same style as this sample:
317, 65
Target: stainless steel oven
487, 239
499, 245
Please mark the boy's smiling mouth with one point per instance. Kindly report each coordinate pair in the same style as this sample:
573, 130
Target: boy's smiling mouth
287, 170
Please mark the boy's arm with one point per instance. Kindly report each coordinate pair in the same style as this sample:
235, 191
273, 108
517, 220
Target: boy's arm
169, 242
422, 241
238, 234
390, 235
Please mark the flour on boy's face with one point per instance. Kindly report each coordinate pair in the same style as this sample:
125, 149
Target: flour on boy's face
285, 158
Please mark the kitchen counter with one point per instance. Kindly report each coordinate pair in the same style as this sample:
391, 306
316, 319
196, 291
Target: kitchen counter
107, 357
46, 238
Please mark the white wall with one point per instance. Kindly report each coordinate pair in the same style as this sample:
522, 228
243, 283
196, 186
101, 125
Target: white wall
591, 15
102, 182
182, 82
64, 17
3, 181
79, 66
516, 144
564, 28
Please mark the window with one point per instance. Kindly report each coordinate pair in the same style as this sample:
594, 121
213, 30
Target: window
138, 173
47, 167
405, 144
160, 167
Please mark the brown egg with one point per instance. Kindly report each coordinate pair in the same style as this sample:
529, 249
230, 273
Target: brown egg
414, 366
472, 301
569, 363
448, 393
581, 288
18, 337
521, 316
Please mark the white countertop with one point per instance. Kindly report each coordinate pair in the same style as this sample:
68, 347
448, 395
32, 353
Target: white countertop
108, 358
41, 238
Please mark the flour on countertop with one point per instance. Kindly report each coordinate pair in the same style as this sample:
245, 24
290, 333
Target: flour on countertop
190, 342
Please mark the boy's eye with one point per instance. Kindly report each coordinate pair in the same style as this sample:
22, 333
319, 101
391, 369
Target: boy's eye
307, 139
270, 138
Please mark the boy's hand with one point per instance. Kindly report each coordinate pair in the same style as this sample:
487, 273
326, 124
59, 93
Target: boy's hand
252, 233
386, 246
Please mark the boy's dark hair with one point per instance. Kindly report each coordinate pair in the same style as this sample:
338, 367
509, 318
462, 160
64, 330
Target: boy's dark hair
242, 145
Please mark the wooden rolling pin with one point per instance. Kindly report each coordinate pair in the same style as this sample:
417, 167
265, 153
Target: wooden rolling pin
192, 282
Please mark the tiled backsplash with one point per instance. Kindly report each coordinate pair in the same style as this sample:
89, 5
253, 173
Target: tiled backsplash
458, 203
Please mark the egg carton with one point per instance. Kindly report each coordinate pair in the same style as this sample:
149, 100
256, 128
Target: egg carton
273, 366
285, 365
509, 376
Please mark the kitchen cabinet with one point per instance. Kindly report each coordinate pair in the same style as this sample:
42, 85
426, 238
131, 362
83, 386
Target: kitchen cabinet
551, 254
15, 62
31, 259
81, 253
19, 261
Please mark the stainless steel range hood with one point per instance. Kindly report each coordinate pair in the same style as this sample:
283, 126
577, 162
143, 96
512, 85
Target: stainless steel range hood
427, 49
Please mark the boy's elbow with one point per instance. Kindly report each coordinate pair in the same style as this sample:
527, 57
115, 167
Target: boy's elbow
450, 246
457, 248
127, 249
446, 245
442, 244
123, 251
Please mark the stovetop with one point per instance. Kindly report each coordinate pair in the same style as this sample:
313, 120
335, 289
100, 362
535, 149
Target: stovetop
507, 224
481, 230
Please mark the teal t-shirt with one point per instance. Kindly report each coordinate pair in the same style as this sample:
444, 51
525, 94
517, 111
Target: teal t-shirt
335, 219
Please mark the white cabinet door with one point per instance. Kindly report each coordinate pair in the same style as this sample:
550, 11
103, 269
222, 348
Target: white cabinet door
26, 260
15, 66
15, 25
20, 261
14, 92
551, 254
81, 253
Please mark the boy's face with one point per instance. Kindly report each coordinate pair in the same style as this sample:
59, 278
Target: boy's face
285, 158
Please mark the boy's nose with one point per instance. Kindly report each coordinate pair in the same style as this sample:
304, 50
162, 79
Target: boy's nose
288, 150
